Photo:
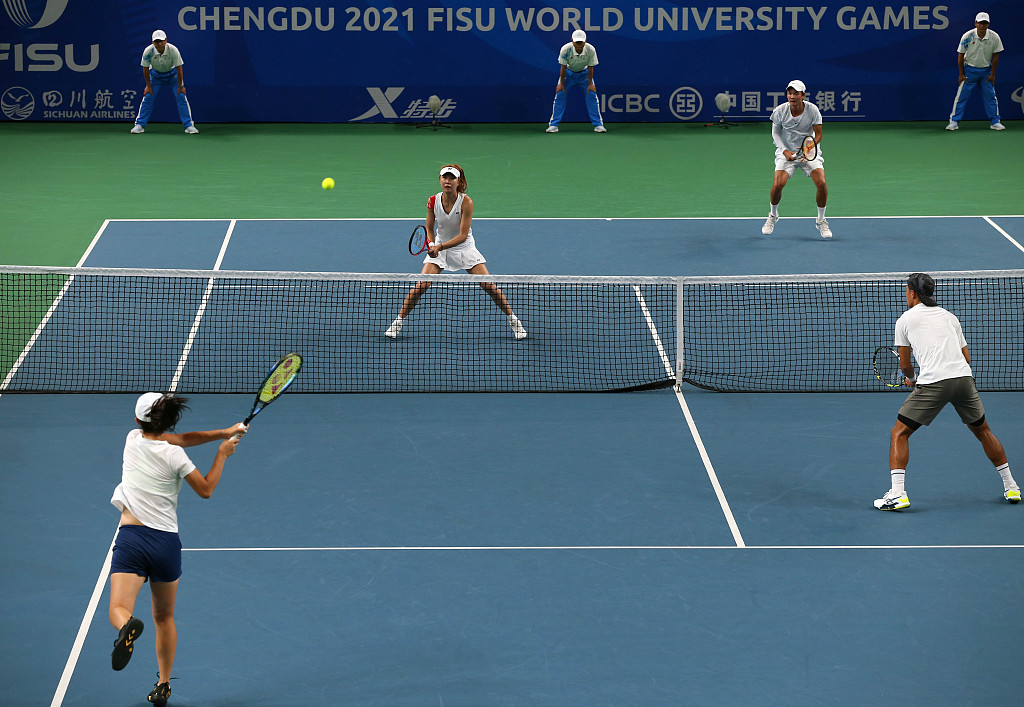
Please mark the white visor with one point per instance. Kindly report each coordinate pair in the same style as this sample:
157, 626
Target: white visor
450, 170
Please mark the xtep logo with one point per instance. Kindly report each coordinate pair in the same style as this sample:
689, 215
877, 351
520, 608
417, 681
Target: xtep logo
382, 101
25, 13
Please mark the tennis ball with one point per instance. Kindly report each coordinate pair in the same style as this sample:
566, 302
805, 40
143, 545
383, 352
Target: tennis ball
328, 183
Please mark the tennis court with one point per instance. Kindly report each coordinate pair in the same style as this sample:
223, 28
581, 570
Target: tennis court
505, 549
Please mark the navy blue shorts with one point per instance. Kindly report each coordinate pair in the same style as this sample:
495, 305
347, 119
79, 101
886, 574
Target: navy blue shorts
154, 554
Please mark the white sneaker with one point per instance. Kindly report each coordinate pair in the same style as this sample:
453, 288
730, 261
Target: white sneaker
552, 129
600, 129
396, 326
892, 501
191, 130
826, 232
1012, 494
138, 129
769, 225
517, 327
953, 125
997, 126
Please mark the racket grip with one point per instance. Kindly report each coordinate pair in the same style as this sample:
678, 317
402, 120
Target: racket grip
241, 434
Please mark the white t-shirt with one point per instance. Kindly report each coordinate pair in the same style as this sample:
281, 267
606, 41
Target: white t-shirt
978, 51
578, 61
937, 341
794, 128
447, 225
168, 61
151, 477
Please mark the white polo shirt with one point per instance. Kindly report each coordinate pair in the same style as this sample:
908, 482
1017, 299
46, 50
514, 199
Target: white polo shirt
168, 61
977, 50
578, 61
151, 476
935, 337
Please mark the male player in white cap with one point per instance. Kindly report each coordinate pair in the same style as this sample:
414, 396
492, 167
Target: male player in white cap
792, 121
578, 60
161, 62
977, 57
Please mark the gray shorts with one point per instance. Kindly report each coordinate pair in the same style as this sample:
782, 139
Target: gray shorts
926, 401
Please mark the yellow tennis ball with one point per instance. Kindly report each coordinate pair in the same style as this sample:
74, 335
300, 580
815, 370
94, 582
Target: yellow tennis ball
328, 183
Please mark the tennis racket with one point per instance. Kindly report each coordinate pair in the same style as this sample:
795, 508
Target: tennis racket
277, 381
808, 150
418, 241
886, 363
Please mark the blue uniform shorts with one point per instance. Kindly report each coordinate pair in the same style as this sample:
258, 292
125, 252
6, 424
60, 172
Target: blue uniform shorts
154, 554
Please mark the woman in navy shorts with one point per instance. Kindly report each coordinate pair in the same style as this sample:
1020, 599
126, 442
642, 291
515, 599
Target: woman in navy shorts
147, 545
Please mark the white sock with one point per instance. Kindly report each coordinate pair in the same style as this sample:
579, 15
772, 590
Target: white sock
1004, 474
775, 210
898, 476
821, 212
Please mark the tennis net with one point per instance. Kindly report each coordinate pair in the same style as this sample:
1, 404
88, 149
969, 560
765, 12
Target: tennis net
194, 331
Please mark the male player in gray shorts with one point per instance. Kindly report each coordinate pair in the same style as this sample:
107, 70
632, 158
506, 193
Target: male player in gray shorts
940, 348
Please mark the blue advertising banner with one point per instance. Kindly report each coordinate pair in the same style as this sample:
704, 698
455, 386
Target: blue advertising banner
310, 61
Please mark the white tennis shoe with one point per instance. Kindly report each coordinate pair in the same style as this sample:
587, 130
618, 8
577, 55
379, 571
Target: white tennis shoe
1012, 494
396, 326
769, 225
191, 130
600, 129
997, 126
138, 129
552, 129
953, 125
892, 501
826, 232
518, 330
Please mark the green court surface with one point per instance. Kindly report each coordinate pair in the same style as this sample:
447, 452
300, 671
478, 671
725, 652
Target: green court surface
62, 181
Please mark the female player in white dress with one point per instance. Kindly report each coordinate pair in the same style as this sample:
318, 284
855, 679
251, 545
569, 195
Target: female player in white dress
452, 247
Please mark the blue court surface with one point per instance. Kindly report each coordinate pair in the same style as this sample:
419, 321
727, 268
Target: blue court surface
654, 548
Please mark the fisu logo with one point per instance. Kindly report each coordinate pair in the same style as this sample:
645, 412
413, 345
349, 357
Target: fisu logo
27, 13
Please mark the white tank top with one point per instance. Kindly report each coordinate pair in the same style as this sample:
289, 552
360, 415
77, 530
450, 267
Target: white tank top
446, 225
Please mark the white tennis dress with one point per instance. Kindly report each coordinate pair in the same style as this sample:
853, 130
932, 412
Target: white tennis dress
446, 226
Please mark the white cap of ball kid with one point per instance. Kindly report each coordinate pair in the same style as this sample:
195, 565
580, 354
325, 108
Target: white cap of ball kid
579, 36
144, 405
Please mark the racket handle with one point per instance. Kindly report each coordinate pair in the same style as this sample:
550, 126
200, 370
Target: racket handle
242, 433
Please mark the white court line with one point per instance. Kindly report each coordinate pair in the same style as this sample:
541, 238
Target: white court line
705, 458
49, 312
83, 629
1005, 234
563, 218
478, 548
176, 378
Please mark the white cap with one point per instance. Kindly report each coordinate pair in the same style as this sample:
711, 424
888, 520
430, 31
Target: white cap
579, 36
982, 17
159, 34
798, 85
144, 405
450, 170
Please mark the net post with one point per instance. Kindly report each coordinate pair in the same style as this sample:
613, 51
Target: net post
680, 355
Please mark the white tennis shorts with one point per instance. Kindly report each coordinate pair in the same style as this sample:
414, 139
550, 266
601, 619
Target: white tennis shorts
790, 166
462, 257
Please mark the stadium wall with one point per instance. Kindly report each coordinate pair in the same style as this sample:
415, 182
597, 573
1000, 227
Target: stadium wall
322, 62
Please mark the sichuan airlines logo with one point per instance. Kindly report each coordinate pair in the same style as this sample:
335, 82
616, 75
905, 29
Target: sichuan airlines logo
33, 14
